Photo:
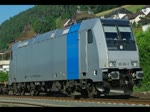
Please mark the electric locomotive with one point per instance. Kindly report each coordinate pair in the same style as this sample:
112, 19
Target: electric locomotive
92, 57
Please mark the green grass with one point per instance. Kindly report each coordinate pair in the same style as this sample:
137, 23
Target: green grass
105, 12
143, 88
132, 8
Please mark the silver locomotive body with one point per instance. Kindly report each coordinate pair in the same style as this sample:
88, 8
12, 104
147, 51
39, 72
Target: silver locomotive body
98, 52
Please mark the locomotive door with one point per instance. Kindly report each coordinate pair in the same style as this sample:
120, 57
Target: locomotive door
83, 52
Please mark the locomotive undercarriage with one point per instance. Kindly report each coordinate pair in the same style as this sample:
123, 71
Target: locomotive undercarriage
72, 88
117, 81
114, 82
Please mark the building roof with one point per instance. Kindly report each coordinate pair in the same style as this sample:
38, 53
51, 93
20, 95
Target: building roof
133, 16
148, 15
120, 10
145, 20
79, 16
83, 15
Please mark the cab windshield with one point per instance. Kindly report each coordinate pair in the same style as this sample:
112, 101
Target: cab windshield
117, 36
118, 33
110, 32
125, 33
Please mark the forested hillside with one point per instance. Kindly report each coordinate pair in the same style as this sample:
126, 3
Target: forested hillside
42, 18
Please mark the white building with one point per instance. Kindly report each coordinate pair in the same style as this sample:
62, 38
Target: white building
4, 66
145, 27
146, 11
4, 61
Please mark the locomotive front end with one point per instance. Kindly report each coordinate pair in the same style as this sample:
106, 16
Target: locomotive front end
123, 66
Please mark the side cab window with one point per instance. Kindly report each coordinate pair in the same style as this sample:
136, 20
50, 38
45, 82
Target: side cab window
90, 36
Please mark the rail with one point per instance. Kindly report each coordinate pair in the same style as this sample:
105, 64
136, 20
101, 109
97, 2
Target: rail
44, 101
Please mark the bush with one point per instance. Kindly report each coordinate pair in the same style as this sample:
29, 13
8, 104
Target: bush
143, 39
3, 76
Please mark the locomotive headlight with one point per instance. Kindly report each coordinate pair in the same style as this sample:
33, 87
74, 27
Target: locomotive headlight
112, 64
134, 63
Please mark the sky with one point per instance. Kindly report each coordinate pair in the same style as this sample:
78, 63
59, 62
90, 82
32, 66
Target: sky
7, 11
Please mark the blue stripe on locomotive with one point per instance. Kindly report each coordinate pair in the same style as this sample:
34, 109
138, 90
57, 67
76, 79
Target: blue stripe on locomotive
72, 52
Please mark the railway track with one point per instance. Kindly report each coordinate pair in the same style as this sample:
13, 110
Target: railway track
44, 101
17, 104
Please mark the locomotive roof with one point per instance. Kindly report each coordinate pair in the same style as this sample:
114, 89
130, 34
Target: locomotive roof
41, 37
110, 21
59, 32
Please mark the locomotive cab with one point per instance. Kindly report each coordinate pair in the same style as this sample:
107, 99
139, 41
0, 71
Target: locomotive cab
123, 67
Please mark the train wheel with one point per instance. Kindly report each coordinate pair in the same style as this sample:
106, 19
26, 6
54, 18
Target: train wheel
32, 92
75, 95
9, 92
68, 91
72, 95
84, 93
48, 93
91, 91
128, 91
22, 93
4, 91
36, 93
